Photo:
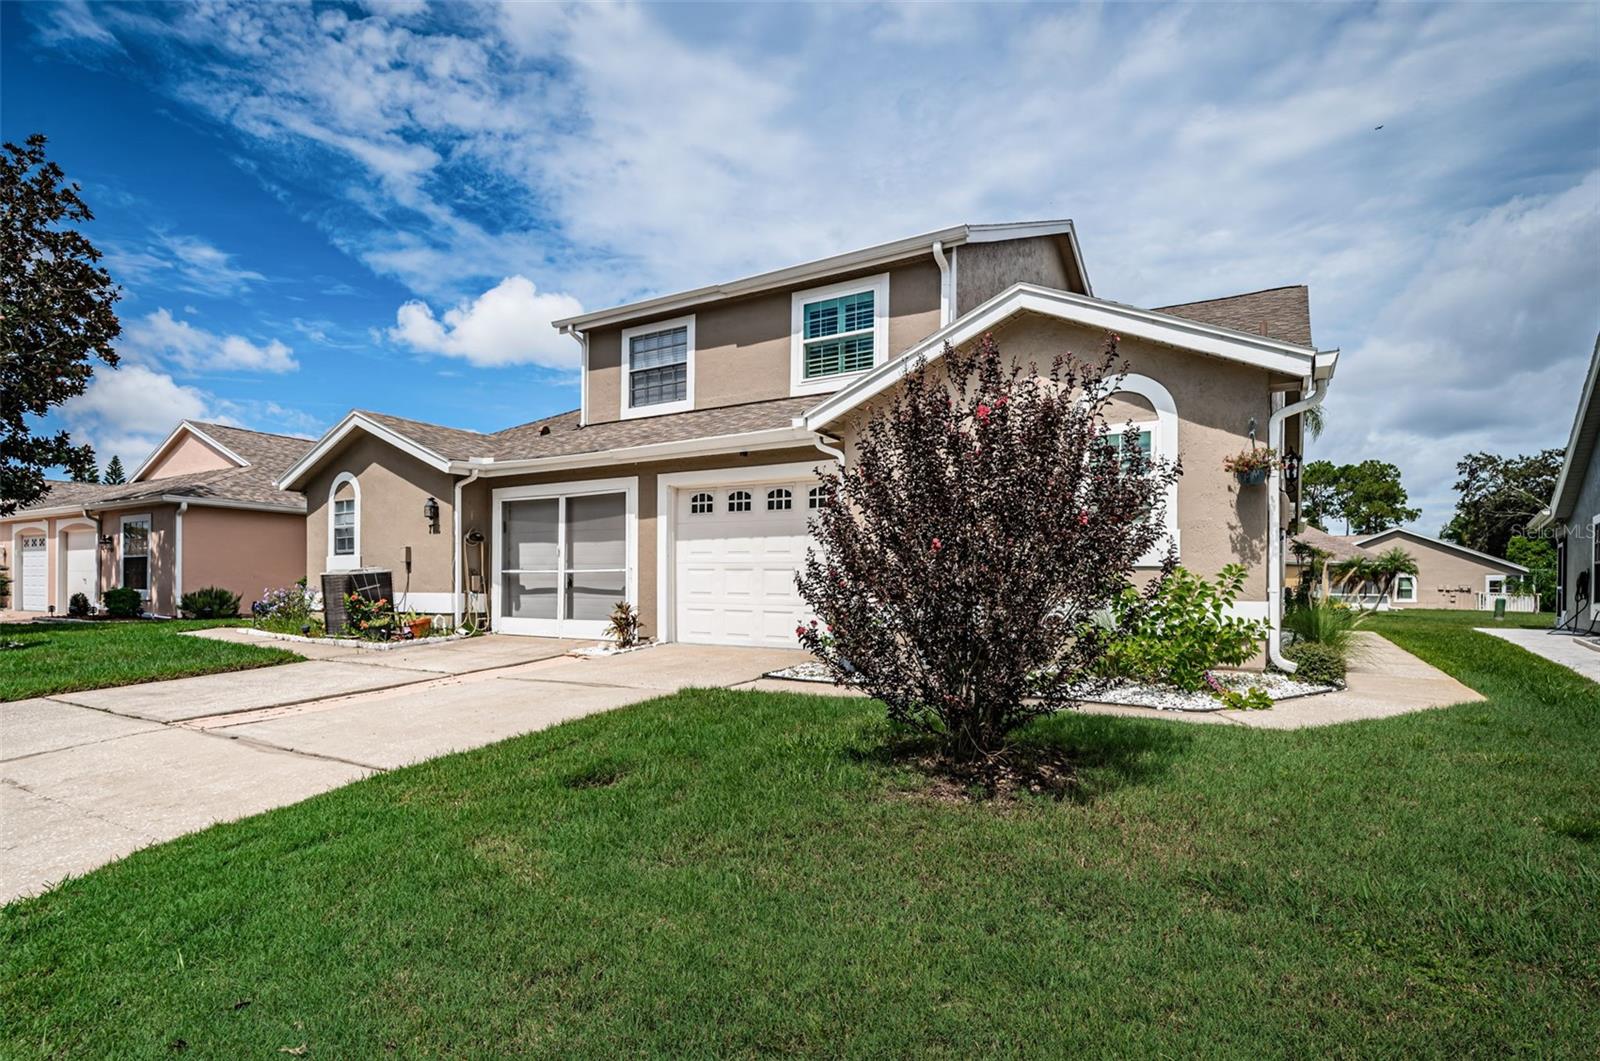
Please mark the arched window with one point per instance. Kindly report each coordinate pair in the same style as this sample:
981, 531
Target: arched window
701, 504
779, 500
1155, 417
344, 523
815, 496
739, 501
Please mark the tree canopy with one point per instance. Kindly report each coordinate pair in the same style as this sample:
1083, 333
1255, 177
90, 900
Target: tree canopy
1497, 496
114, 472
1368, 497
56, 318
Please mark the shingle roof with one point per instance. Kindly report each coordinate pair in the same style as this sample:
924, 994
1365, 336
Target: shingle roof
560, 435
1337, 546
1279, 312
269, 456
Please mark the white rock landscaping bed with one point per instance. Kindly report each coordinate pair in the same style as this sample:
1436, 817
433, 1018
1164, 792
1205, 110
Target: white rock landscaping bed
608, 650
1134, 694
353, 642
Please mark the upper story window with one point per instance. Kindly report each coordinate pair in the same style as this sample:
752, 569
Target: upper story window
658, 368
839, 331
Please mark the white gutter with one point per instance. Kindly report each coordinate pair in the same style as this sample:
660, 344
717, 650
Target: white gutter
821, 442
583, 380
455, 552
177, 563
1274, 504
944, 282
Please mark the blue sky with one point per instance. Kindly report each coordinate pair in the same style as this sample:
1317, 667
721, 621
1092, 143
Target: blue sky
317, 207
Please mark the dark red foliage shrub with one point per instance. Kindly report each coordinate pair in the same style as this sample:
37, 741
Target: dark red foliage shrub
984, 517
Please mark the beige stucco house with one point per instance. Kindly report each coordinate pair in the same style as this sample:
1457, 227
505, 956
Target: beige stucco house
683, 481
1448, 575
201, 511
1573, 516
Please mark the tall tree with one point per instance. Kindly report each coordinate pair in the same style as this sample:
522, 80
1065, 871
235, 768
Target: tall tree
89, 475
56, 317
1373, 498
1497, 496
114, 473
1538, 555
1321, 493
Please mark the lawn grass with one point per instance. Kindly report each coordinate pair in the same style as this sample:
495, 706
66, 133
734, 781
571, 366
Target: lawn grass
67, 657
721, 873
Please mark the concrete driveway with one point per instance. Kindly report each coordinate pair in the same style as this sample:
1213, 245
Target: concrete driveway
89, 777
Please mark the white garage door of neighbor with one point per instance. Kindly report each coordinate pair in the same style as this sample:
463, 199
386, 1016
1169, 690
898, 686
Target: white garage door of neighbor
738, 550
80, 564
33, 595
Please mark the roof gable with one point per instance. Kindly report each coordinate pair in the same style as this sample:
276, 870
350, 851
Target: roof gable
1371, 542
1208, 339
1281, 312
1581, 444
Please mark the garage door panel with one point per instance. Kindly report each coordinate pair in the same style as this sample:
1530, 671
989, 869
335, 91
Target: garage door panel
734, 572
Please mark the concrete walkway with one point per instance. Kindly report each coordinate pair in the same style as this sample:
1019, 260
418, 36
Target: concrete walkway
1581, 654
86, 778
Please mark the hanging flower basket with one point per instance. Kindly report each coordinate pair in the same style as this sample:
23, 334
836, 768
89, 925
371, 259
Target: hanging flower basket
1252, 466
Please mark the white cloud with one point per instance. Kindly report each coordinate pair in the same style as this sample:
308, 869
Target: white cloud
127, 411
163, 338
507, 325
185, 263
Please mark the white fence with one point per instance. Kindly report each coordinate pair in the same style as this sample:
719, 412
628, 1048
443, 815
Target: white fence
1515, 602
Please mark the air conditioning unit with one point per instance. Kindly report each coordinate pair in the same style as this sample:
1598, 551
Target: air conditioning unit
371, 582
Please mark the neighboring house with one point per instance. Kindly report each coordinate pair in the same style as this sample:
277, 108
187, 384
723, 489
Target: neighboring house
684, 481
201, 511
1573, 517
1448, 575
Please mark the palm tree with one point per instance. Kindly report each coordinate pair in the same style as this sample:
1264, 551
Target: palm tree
1382, 571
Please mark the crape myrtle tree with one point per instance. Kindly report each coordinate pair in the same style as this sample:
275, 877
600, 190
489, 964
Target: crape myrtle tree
967, 553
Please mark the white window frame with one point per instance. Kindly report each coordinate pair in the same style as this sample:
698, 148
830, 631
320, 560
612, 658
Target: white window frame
660, 408
879, 286
1488, 585
1410, 598
1163, 446
149, 551
1594, 562
338, 562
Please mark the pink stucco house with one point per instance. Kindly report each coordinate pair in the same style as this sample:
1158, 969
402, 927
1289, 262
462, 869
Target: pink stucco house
201, 511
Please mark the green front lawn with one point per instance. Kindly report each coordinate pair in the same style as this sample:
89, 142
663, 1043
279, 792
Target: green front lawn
722, 873
66, 657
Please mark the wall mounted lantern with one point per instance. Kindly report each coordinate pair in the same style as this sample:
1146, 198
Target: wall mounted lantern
1291, 469
430, 512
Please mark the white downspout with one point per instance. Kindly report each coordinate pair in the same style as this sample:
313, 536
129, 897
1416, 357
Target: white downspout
583, 378
1275, 532
177, 563
455, 552
944, 283
821, 442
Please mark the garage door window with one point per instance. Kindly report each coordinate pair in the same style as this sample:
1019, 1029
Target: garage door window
814, 497
779, 500
739, 501
702, 505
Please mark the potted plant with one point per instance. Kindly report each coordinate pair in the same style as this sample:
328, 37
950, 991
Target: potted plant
1252, 466
419, 626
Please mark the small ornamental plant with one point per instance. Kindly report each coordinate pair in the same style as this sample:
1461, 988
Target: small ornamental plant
369, 618
1253, 465
986, 515
624, 625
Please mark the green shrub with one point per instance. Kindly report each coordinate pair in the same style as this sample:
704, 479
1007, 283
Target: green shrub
1323, 622
123, 603
78, 605
287, 610
213, 602
371, 619
1183, 631
1316, 662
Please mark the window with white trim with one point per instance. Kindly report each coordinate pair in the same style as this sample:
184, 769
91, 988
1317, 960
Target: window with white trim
1495, 585
815, 496
1405, 590
658, 368
701, 504
840, 331
136, 554
779, 500
344, 526
739, 501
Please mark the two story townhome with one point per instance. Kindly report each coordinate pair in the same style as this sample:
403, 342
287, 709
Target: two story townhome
201, 511
1573, 515
684, 481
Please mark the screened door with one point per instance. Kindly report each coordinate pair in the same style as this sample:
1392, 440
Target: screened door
563, 563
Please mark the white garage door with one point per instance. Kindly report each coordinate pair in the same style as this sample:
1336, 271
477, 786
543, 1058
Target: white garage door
33, 597
738, 549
